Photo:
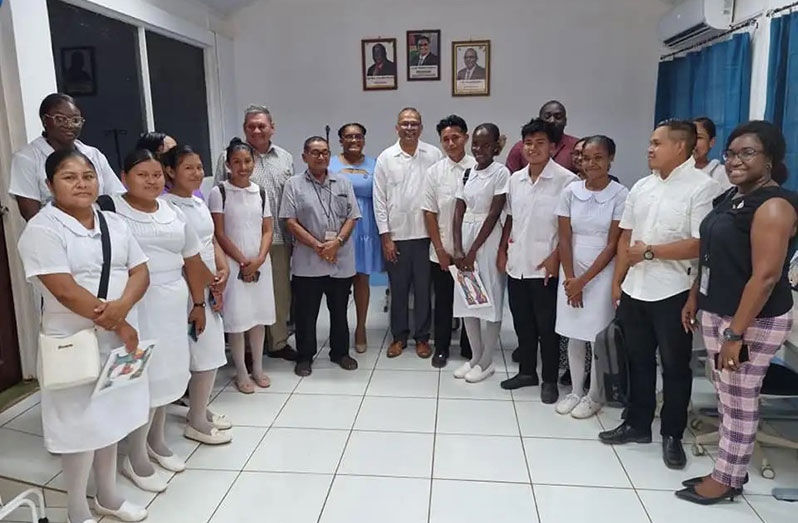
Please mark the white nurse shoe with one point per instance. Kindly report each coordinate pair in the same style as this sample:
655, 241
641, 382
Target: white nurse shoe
154, 483
127, 512
216, 437
461, 371
171, 463
476, 374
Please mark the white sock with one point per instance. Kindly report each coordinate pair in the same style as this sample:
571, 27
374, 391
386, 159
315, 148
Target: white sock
576, 362
490, 341
157, 435
105, 478
137, 449
238, 348
76, 469
257, 335
199, 393
475, 339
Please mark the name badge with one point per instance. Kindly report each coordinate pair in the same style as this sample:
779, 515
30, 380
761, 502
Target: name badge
703, 286
330, 235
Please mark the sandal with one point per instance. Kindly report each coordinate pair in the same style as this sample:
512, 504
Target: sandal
262, 381
247, 387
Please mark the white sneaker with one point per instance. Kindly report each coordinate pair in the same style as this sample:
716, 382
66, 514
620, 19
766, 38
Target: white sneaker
154, 483
127, 512
567, 404
461, 371
586, 408
476, 374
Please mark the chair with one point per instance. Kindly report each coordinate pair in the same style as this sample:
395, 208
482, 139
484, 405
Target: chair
24, 499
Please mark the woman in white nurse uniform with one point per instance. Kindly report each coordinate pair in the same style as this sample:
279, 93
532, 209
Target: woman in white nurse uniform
184, 174
477, 233
170, 244
61, 251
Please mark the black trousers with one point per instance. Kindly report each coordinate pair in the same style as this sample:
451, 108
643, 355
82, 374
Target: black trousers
410, 270
307, 295
443, 284
646, 326
534, 309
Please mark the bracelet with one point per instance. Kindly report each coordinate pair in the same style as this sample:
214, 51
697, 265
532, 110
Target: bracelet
199, 305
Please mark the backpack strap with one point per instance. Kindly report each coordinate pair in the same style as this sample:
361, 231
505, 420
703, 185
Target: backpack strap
105, 273
466, 175
222, 192
262, 192
106, 203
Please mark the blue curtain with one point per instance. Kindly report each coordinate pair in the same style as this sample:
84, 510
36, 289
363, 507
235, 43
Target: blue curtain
782, 103
714, 82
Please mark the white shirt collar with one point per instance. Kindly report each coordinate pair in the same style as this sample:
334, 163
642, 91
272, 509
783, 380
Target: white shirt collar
688, 165
70, 222
581, 191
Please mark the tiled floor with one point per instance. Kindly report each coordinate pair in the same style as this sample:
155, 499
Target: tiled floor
400, 442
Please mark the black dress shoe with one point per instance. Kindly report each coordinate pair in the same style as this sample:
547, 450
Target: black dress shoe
346, 362
439, 359
673, 453
520, 380
517, 355
286, 353
549, 393
624, 433
303, 368
689, 494
695, 481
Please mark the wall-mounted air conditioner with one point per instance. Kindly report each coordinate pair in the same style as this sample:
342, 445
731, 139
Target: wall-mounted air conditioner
695, 20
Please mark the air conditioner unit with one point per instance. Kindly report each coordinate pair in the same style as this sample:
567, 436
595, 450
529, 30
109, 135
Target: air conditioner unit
695, 20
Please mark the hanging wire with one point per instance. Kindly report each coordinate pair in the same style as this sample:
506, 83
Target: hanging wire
731, 30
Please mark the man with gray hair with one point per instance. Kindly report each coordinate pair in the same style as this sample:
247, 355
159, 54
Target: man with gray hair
273, 167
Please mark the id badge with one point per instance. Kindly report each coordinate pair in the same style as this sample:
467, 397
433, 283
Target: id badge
703, 286
330, 235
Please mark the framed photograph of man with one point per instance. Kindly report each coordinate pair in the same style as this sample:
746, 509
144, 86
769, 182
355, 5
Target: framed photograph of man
471, 68
78, 71
379, 63
424, 55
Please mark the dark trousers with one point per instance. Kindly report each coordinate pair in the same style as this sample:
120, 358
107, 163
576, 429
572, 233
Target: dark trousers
646, 326
443, 283
307, 296
412, 268
534, 309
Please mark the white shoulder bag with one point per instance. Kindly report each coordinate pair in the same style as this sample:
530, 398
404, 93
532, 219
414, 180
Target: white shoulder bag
75, 360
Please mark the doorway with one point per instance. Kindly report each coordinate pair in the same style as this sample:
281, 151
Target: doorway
10, 366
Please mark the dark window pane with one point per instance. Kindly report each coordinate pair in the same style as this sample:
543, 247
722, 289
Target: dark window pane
96, 62
177, 76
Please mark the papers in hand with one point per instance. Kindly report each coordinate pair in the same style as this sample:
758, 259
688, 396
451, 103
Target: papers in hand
122, 368
470, 287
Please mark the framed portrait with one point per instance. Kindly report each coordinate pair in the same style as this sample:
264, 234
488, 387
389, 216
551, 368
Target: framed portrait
424, 55
471, 68
78, 71
379, 63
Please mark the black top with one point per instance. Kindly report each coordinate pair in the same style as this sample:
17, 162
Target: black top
726, 250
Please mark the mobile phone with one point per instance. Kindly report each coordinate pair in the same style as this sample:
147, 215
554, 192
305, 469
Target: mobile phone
744, 356
211, 300
256, 275
192, 332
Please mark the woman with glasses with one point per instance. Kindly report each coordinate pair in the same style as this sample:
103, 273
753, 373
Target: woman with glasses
744, 296
359, 168
62, 122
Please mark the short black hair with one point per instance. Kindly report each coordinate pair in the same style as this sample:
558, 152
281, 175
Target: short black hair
237, 144
344, 126
773, 145
422, 37
152, 140
602, 141
707, 124
451, 121
550, 102
54, 161
314, 139
539, 125
136, 157
685, 129
51, 100
173, 156
491, 128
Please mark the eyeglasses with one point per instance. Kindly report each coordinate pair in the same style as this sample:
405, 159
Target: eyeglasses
745, 154
319, 154
61, 120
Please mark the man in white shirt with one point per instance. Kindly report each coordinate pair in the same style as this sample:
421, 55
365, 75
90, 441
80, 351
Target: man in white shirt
398, 192
528, 253
443, 179
706, 130
655, 268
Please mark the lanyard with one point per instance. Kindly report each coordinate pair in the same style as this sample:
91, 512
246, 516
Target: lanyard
327, 214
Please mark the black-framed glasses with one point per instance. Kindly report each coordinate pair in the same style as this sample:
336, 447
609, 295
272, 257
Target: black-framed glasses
319, 154
61, 120
745, 154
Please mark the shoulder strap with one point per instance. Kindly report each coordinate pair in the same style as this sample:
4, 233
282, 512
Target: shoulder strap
222, 192
105, 274
106, 203
466, 175
262, 192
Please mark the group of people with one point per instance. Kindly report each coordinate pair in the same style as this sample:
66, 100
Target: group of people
572, 246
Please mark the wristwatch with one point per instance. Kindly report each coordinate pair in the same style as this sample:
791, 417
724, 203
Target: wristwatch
341, 241
199, 305
730, 335
648, 254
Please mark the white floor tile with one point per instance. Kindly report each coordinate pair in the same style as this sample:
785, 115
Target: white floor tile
574, 462
397, 414
611, 418
231, 456
664, 507
299, 450
644, 465
388, 454
24, 458
407, 361
488, 417
18, 408
771, 510
369, 499
335, 381
282, 380
319, 412
486, 458
560, 504
192, 497
126, 488
784, 463
29, 421
404, 383
365, 360
254, 410
277, 497
477, 502
484, 390
542, 421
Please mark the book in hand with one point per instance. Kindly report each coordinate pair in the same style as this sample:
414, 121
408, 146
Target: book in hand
122, 368
470, 287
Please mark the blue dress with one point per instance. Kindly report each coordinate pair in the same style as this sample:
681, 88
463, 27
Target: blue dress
368, 248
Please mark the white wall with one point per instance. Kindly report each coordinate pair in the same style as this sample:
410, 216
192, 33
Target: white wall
302, 59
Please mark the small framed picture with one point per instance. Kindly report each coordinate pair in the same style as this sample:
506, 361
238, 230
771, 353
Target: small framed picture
424, 55
379, 63
78, 71
471, 68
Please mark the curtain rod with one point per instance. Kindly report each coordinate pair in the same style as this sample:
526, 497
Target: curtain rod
781, 9
732, 29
